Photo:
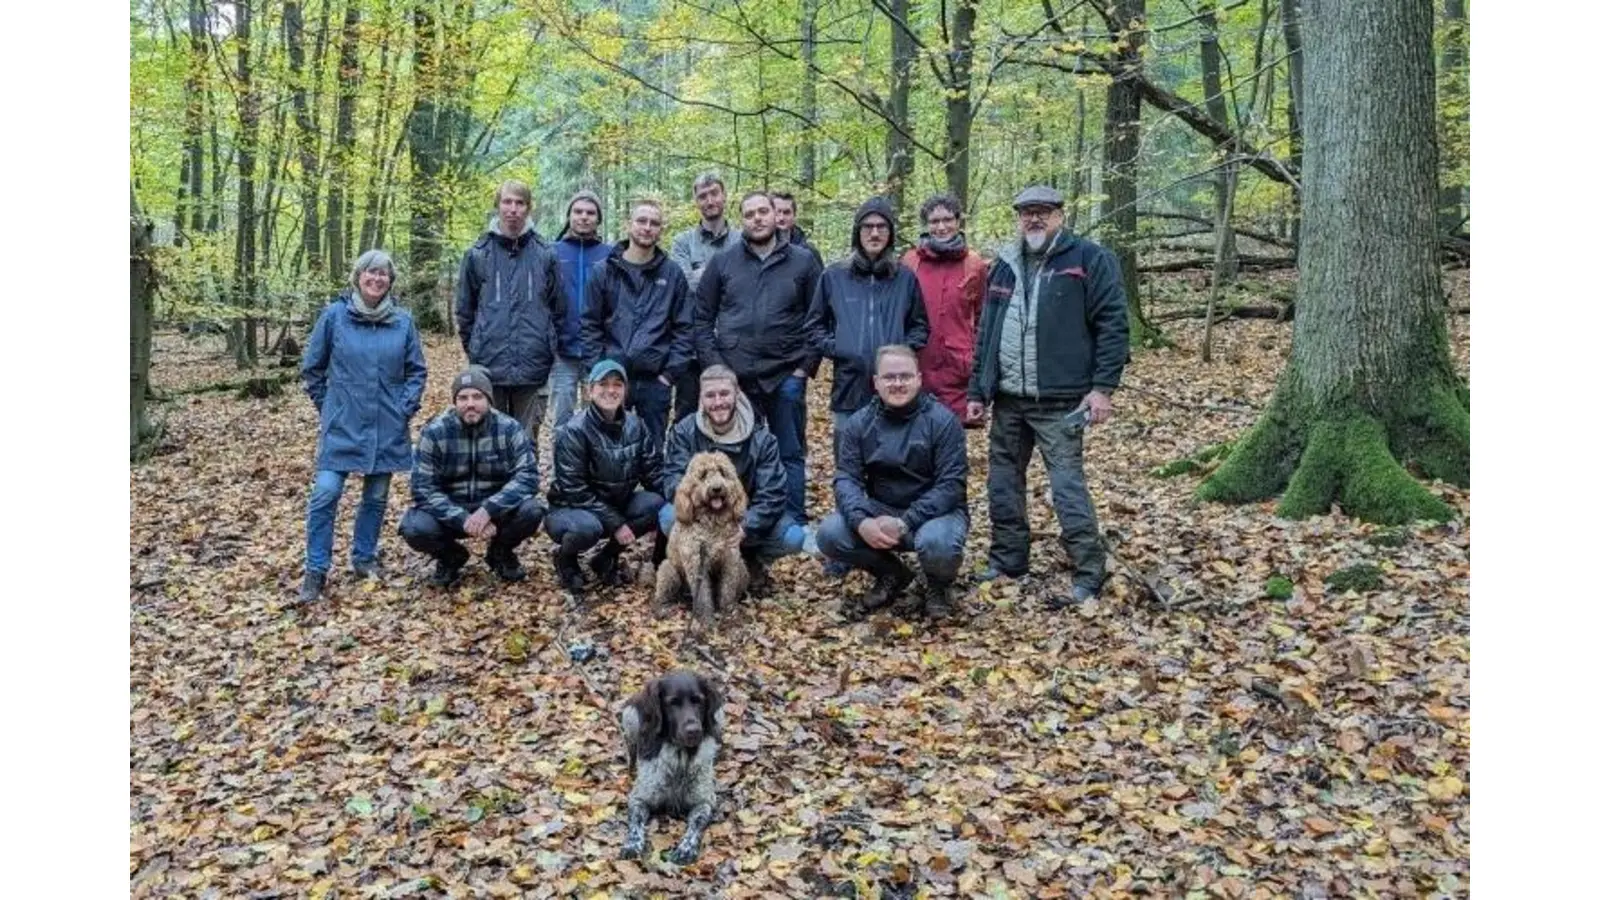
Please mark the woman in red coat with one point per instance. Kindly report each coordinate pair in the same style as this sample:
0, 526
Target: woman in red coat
952, 278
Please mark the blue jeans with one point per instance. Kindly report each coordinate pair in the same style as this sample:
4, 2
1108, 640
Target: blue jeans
939, 544
785, 539
785, 413
324, 507
564, 378
651, 400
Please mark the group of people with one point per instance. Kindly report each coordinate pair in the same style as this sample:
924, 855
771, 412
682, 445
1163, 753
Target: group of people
710, 347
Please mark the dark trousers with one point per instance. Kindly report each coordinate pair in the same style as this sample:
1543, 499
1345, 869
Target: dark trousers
785, 413
1020, 424
686, 392
651, 401
442, 540
576, 530
939, 544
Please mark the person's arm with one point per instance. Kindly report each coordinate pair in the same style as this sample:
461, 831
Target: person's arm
596, 313
416, 372
916, 317
949, 477
314, 362
819, 327
466, 300
1107, 322
813, 280
650, 466
849, 478
680, 325
766, 506
425, 490
570, 455
708, 303
555, 301
674, 462
980, 360
524, 481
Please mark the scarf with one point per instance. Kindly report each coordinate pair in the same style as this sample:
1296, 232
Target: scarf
742, 426
881, 267
372, 314
953, 248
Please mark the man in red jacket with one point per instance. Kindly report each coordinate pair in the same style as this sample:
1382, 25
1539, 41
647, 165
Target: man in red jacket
952, 278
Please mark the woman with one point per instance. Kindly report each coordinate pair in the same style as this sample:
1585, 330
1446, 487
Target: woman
364, 371
953, 278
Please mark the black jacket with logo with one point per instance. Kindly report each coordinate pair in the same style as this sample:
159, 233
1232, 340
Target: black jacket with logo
639, 316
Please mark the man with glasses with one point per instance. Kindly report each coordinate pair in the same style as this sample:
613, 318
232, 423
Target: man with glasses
638, 313
901, 485
952, 278
1052, 340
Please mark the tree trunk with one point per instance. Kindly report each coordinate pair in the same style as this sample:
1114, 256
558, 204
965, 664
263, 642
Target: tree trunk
1227, 252
1079, 162
141, 290
377, 177
425, 137
1291, 45
344, 138
1121, 161
808, 96
903, 56
245, 250
191, 197
1454, 135
1370, 383
305, 121
958, 103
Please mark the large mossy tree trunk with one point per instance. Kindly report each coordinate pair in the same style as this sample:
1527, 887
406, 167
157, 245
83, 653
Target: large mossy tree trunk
1370, 383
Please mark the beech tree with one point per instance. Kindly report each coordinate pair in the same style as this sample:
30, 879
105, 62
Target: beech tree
1370, 384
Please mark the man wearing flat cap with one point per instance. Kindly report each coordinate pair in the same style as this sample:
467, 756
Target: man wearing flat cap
607, 481
1052, 341
475, 476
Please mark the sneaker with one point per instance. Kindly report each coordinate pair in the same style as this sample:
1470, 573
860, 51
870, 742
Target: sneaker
311, 587
365, 569
504, 564
1079, 596
569, 574
446, 572
885, 588
937, 603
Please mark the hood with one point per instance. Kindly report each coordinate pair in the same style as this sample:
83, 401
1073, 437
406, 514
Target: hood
599, 219
621, 247
516, 240
883, 264
744, 423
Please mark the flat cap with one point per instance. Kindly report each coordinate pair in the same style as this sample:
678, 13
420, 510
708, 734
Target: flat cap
1038, 195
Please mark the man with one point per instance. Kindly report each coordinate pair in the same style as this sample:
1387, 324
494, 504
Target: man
475, 476
861, 304
784, 209
901, 484
692, 249
638, 313
578, 249
726, 423
607, 482
952, 277
750, 316
508, 307
1053, 339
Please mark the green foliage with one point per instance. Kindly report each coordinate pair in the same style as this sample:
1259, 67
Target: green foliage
1279, 587
1195, 462
1361, 578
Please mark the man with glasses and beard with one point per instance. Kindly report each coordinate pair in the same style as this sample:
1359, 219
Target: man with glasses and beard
1052, 342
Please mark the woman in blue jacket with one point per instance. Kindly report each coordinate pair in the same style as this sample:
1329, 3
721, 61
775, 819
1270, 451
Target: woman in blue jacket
364, 370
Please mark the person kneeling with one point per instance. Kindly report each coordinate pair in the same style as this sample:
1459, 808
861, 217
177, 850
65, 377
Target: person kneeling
475, 476
900, 484
726, 422
607, 481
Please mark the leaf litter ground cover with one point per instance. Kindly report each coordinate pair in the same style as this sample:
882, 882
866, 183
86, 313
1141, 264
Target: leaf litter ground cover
398, 741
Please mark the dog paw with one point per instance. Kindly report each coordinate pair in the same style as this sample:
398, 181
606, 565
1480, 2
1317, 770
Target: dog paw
682, 855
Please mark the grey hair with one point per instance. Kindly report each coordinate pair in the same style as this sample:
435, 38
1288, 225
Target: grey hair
373, 259
707, 178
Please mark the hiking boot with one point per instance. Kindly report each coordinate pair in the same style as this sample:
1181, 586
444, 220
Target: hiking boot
503, 563
885, 588
992, 574
365, 569
760, 578
447, 569
605, 565
569, 573
311, 587
1080, 595
937, 603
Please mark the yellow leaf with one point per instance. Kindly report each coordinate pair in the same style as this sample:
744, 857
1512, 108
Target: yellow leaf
1446, 788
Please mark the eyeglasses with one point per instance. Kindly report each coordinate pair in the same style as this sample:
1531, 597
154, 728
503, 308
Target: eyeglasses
943, 220
1036, 212
897, 377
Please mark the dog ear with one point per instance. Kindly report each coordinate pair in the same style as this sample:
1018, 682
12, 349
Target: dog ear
712, 717
642, 721
740, 501
683, 497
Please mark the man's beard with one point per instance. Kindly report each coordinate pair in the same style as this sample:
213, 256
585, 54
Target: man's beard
1035, 239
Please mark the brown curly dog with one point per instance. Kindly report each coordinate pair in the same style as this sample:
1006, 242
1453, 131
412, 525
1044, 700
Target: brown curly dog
703, 549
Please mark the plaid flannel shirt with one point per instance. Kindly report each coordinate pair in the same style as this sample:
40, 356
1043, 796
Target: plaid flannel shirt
459, 469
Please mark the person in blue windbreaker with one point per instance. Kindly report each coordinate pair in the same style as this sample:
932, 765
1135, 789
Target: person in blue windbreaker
364, 371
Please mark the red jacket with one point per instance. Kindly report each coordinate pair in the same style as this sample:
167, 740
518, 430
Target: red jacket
952, 291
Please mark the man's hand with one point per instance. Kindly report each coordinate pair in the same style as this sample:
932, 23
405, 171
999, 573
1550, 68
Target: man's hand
975, 411
892, 528
1099, 407
624, 535
477, 522
872, 532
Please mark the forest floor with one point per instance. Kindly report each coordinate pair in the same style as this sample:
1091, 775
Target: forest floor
399, 741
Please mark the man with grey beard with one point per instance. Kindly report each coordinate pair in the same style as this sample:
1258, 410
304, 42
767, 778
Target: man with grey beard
1052, 342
